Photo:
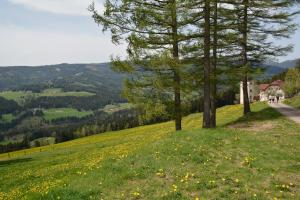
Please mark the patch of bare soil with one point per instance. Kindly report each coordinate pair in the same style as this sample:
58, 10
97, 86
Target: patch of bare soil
254, 126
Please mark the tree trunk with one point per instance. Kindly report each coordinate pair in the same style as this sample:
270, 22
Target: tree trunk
245, 57
206, 94
177, 81
178, 116
214, 67
246, 97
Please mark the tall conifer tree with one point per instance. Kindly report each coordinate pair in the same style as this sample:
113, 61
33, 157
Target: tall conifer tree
259, 22
156, 32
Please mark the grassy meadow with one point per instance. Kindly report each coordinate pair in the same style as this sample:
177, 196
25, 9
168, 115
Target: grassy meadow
58, 92
55, 113
15, 95
252, 157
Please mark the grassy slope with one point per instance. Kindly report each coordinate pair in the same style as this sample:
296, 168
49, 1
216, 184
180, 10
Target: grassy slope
254, 160
14, 95
295, 101
54, 113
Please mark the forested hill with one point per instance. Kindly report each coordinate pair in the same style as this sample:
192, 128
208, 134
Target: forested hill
96, 78
55, 103
82, 77
274, 68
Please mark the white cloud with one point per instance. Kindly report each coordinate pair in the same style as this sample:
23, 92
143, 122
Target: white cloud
67, 7
21, 46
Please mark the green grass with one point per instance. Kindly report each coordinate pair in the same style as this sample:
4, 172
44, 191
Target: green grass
294, 102
58, 92
6, 142
111, 108
55, 113
20, 96
17, 96
7, 118
255, 157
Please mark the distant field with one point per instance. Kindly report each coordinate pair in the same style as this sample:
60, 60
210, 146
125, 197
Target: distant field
20, 96
254, 157
55, 113
6, 142
7, 118
42, 141
59, 92
117, 107
294, 102
17, 96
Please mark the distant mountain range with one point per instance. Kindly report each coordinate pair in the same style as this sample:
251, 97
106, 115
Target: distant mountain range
70, 77
96, 78
273, 68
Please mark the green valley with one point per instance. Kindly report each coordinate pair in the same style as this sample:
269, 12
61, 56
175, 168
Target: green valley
152, 100
60, 101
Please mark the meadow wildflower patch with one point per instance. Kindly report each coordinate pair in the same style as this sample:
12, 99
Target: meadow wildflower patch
153, 162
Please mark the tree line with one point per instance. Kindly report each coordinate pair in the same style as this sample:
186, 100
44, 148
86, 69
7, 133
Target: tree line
176, 49
292, 81
8, 106
69, 128
79, 102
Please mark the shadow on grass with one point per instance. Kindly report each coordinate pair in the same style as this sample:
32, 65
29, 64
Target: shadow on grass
259, 115
14, 161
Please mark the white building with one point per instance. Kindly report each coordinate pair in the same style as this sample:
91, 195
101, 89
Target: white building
263, 92
275, 89
250, 87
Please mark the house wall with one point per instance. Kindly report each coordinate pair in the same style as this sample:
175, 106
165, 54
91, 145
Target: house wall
250, 92
271, 91
263, 96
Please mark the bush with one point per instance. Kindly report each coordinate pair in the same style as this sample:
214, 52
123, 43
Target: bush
292, 82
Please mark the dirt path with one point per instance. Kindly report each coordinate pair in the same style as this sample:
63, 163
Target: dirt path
288, 111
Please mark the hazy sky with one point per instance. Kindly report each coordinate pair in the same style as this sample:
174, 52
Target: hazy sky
41, 32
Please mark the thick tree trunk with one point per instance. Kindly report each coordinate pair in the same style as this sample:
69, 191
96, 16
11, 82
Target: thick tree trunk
246, 97
245, 57
177, 81
178, 116
214, 68
207, 78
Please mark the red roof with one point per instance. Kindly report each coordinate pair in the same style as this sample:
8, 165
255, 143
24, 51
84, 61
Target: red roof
278, 83
263, 86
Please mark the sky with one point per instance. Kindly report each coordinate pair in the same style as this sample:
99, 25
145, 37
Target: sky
43, 32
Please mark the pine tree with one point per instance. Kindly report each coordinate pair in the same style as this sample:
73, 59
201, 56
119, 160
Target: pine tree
257, 22
213, 88
156, 32
170, 40
207, 65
